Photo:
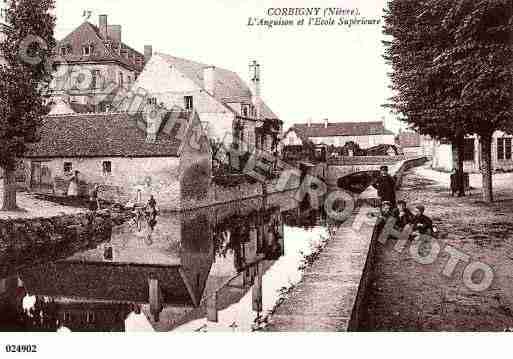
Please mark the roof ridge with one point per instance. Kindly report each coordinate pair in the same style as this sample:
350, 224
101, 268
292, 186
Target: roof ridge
87, 114
195, 62
338, 122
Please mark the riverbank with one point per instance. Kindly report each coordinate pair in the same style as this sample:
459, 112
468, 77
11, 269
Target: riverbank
325, 298
44, 230
407, 296
32, 207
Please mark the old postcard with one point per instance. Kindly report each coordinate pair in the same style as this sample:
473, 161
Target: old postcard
255, 166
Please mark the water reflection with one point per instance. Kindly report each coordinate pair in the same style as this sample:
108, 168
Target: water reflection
215, 268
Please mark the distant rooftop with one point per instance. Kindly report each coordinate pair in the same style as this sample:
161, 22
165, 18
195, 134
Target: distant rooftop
333, 129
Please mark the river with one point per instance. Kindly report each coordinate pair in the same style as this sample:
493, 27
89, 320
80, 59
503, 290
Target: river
222, 268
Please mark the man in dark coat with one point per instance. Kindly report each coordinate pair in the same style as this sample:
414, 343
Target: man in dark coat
385, 184
422, 224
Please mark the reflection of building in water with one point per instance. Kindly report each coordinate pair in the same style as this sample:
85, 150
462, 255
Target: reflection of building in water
94, 294
191, 256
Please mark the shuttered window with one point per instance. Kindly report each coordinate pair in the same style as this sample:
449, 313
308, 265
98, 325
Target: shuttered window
468, 150
507, 148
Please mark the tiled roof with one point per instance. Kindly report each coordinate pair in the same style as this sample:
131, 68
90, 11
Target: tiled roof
99, 135
88, 33
229, 88
341, 129
409, 139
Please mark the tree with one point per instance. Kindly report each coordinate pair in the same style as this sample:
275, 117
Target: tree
27, 48
451, 70
423, 90
482, 59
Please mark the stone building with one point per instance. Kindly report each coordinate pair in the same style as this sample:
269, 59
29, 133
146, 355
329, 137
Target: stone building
365, 134
122, 154
225, 104
91, 61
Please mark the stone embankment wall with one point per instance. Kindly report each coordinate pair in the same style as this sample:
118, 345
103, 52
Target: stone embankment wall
26, 241
398, 172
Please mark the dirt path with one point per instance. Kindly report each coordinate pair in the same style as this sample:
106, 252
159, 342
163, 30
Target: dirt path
407, 296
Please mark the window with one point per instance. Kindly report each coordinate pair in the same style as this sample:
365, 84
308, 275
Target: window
121, 79
152, 101
507, 149
107, 167
90, 317
3, 286
95, 82
504, 148
245, 110
65, 50
468, 150
68, 167
188, 102
500, 148
87, 50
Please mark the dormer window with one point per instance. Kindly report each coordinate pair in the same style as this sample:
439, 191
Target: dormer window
188, 102
65, 50
87, 50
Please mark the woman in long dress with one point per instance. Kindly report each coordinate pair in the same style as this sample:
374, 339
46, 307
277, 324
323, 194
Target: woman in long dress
73, 185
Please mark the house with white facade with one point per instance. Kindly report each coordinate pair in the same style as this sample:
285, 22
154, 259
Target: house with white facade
365, 134
502, 159
225, 104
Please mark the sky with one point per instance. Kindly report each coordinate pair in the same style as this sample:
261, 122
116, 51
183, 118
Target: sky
309, 72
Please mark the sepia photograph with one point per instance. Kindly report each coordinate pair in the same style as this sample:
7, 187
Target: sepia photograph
257, 167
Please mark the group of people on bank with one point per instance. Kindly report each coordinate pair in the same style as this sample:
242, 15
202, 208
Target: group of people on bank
385, 184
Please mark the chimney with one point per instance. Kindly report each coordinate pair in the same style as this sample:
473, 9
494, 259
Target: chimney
209, 79
114, 32
325, 123
102, 25
148, 52
309, 121
254, 75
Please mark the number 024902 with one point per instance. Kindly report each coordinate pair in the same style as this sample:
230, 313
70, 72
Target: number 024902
25, 348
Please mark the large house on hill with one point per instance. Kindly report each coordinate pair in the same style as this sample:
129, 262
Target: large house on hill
365, 134
225, 104
90, 59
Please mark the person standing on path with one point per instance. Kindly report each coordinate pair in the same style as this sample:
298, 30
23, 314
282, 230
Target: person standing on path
73, 185
385, 184
94, 202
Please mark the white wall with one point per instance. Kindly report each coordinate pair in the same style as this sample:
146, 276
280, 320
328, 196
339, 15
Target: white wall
362, 141
169, 86
65, 78
153, 175
292, 139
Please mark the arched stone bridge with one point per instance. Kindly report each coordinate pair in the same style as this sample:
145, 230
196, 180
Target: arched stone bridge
356, 173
